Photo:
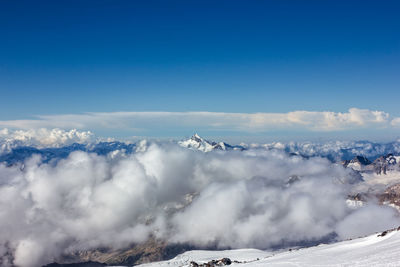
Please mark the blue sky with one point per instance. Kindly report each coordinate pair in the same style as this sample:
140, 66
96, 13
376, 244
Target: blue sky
74, 57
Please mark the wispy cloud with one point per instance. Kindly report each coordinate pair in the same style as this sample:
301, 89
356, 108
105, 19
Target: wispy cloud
353, 119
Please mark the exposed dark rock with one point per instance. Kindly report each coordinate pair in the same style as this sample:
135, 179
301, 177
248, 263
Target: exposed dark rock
81, 264
213, 263
359, 197
384, 163
391, 195
150, 251
383, 233
362, 160
380, 165
225, 261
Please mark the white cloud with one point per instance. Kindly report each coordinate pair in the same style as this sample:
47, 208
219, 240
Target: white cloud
395, 122
41, 137
46, 137
245, 122
88, 201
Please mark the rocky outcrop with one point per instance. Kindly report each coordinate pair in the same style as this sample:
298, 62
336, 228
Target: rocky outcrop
80, 264
358, 163
150, 251
381, 165
361, 160
384, 163
212, 263
391, 195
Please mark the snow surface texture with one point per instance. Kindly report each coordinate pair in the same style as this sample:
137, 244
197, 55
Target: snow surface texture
373, 250
203, 256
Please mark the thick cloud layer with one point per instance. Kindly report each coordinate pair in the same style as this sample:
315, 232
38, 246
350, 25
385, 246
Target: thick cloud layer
235, 199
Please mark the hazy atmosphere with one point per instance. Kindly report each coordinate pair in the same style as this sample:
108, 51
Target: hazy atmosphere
163, 132
276, 65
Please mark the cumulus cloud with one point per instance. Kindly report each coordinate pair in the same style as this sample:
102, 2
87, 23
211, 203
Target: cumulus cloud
245, 122
42, 138
228, 199
395, 122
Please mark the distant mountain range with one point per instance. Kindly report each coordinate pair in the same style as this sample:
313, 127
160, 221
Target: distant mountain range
381, 165
356, 155
21, 153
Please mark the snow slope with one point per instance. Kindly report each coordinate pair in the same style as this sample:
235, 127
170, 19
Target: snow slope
202, 256
198, 143
374, 250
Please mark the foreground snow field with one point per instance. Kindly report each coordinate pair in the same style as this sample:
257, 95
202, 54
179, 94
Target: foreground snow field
374, 250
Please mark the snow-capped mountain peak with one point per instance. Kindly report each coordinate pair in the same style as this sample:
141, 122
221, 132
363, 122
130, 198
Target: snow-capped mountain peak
197, 138
198, 143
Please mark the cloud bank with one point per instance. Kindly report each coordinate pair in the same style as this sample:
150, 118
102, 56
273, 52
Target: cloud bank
244, 122
42, 138
45, 137
227, 199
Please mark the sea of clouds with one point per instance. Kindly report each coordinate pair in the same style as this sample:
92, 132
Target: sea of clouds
232, 199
